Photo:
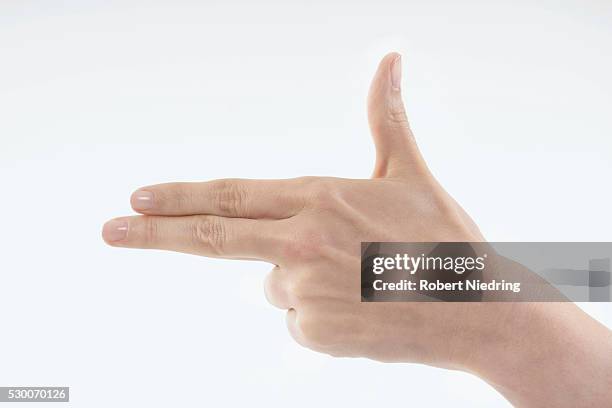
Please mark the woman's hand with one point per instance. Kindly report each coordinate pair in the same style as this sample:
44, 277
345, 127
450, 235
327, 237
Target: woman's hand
311, 229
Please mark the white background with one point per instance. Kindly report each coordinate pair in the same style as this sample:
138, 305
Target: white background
510, 102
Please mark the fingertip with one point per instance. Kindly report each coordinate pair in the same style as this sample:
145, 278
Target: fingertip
141, 200
385, 79
388, 61
115, 231
391, 56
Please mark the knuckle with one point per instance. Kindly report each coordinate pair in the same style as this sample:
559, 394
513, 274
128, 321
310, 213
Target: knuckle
275, 289
324, 193
309, 243
210, 233
272, 281
313, 235
331, 195
150, 230
305, 181
445, 207
230, 197
300, 284
396, 117
315, 240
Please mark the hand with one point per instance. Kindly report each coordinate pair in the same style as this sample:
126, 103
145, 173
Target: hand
311, 229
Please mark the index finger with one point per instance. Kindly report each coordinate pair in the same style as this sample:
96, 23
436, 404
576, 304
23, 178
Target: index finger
240, 198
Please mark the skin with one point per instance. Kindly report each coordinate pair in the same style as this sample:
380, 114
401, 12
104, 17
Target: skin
535, 354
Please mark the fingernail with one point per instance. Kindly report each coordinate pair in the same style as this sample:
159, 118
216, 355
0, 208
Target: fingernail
396, 73
142, 200
115, 230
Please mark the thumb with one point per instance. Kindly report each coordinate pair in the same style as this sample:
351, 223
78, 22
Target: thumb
397, 154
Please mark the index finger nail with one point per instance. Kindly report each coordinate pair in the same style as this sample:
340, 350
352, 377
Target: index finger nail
115, 230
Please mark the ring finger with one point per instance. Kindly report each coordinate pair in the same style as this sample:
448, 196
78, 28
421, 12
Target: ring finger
275, 289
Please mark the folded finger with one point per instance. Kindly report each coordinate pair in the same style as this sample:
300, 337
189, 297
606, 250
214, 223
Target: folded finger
275, 289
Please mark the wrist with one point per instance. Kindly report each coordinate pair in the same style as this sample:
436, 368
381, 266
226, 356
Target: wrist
545, 354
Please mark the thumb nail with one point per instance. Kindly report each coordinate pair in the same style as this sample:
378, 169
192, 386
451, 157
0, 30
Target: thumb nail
396, 73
